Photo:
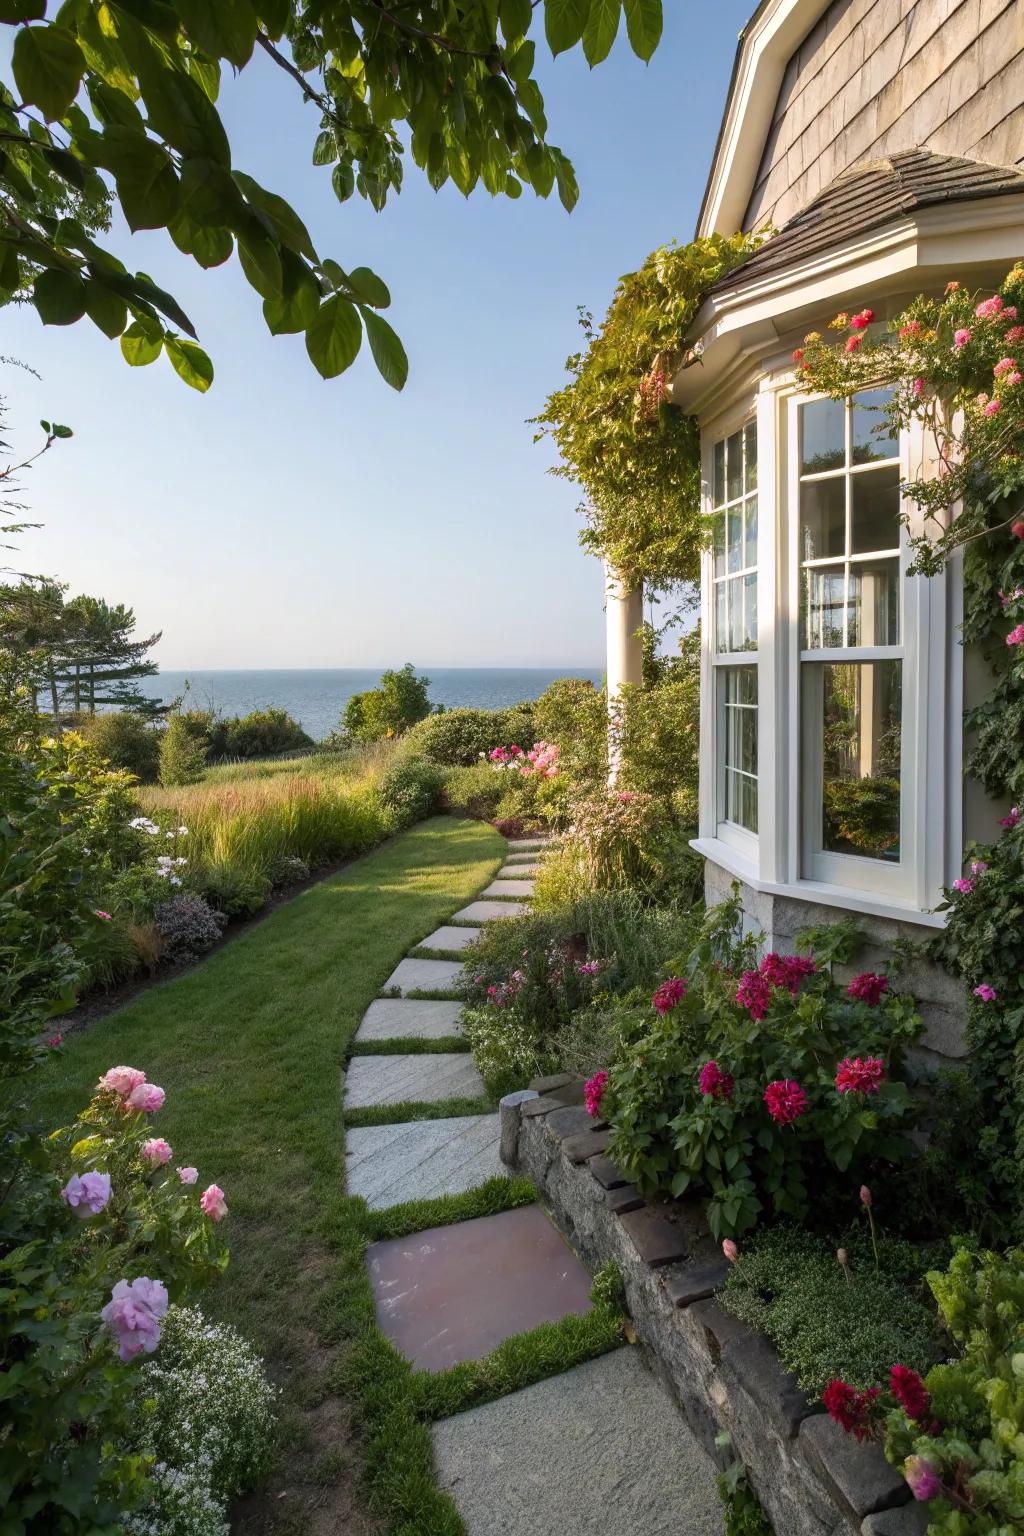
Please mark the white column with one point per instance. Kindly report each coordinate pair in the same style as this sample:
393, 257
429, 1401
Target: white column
624, 614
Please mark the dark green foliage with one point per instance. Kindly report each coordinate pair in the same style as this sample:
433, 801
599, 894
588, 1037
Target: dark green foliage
236, 889
188, 926
458, 737
127, 740
400, 700
477, 791
574, 713
741, 1506
184, 747
410, 789
827, 1321
263, 733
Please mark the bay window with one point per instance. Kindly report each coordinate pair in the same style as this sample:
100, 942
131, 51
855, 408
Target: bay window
734, 582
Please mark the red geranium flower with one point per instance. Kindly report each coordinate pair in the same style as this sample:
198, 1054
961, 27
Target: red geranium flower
669, 995
856, 1076
909, 1391
786, 1100
716, 1082
868, 988
850, 1409
754, 993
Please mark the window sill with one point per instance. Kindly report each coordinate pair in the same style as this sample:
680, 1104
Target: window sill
819, 891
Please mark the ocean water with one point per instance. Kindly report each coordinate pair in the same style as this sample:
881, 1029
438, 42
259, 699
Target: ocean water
316, 696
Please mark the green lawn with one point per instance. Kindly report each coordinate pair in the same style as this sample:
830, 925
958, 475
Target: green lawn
249, 1047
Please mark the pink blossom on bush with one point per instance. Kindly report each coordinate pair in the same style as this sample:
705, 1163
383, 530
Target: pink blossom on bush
1009, 312
134, 1315
1015, 333
593, 1093
147, 1097
156, 1151
213, 1202
787, 970
978, 866
786, 1100
754, 993
669, 995
992, 409
850, 1409
862, 321
1004, 365
910, 330
988, 307
853, 343
122, 1080
714, 1081
1016, 635
730, 1250
1012, 378
53, 1041
1012, 820
105, 916
961, 338
868, 988
965, 887
856, 1076
921, 1478
188, 1175
988, 994
918, 387
87, 1193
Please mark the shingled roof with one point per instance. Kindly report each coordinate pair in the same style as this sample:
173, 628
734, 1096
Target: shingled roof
870, 195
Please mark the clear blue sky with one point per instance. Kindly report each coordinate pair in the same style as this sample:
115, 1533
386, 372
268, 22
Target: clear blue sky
281, 521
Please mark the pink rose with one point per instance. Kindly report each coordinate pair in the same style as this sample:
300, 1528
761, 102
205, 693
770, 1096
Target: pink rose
1016, 636
156, 1151
730, 1250
213, 1203
986, 993
961, 338
105, 916
122, 1080
188, 1175
88, 1194
989, 307
134, 1315
147, 1097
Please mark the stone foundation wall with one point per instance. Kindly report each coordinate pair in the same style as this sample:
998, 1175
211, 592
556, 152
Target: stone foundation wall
812, 1479
942, 999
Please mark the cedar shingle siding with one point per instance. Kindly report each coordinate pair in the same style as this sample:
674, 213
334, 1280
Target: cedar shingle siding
875, 77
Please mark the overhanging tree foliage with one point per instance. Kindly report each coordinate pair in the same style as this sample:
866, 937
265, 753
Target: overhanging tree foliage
116, 99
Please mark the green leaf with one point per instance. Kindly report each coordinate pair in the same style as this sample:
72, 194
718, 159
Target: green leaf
366, 285
142, 343
564, 21
209, 196
343, 180
146, 184
325, 150
10, 271
66, 165
190, 363
295, 308
334, 337
210, 247
387, 349
274, 15
515, 17
601, 29
22, 10
59, 297
105, 308
568, 190
643, 26
226, 29
48, 68
287, 225
261, 261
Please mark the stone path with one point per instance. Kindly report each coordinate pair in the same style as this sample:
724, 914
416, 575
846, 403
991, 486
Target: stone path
600, 1450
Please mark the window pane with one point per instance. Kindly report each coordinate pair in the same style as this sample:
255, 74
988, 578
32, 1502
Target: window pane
750, 456
734, 469
734, 537
750, 613
741, 686
749, 811
823, 518
871, 434
824, 607
822, 436
875, 510
874, 602
860, 742
721, 618
739, 744
750, 532
719, 543
718, 482
736, 631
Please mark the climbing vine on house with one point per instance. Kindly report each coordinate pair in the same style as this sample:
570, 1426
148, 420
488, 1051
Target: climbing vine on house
956, 365
634, 454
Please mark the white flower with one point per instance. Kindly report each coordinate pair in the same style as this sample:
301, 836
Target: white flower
183, 831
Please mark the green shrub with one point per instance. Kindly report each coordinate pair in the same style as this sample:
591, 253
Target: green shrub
459, 737
188, 926
397, 703
236, 889
184, 746
785, 1026
659, 741
127, 741
625, 840
263, 733
574, 713
410, 790
830, 1321
477, 791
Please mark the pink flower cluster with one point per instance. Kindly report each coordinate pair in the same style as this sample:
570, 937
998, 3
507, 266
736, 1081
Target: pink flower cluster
505, 994
593, 1093
592, 967
1012, 820
861, 321
986, 993
754, 990
850, 1409
856, 1076
868, 988
786, 1100
134, 1314
87, 1194
1016, 635
541, 759
131, 1087
715, 1082
964, 885
669, 995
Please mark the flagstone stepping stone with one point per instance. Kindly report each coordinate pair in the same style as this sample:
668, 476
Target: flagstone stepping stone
601, 1450
409, 1018
519, 871
454, 1293
529, 844
454, 939
489, 911
393, 1079
520, 890
424, 976
422, 1159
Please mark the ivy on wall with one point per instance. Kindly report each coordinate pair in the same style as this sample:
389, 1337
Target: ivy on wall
634, 454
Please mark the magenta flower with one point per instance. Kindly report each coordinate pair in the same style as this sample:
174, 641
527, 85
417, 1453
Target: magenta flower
918, 388
1004, 365
1011, 379
786, 1101
992, 409
989, 307
134, 1315
965, 887
865, 1196
213, 1203
714, 1081
122, 1080
856, 1076
669, 995
909, 1390
593, 1093
922, 1479
787, 970
1009, 822
754, 993
156, 1151
978, 867
1016, 636
147, 1097
862, 321
868, 988
87, 1194
105, 916
188, 1175
961, 338
987, 993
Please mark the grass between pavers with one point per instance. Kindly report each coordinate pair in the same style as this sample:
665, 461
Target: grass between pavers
415, 1045
249, 1047
396, 1404
415, 1109
435, 995
424, 952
